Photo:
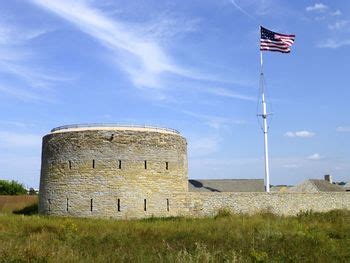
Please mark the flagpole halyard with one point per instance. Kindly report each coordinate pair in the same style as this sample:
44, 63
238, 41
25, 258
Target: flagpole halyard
264, 116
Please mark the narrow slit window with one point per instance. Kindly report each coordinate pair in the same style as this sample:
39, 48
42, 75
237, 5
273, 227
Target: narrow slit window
145, 164
119, 164
167, 205
67, 205
93, 163
118, 205
49, 201
167, 165
144, 205
70, 165
91, 204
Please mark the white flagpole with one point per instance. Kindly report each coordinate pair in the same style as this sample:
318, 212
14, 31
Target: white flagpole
264, 115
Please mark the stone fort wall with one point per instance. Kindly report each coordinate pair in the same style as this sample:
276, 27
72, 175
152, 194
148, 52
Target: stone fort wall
207, 204
113, 172
120, 172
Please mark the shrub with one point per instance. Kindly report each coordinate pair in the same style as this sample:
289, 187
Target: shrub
223, 213
32, 191
28, 210
11, 188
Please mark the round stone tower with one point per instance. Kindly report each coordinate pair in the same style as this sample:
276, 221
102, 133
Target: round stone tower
113, 171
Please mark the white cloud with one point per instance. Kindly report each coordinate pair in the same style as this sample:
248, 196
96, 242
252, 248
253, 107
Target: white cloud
343, 129
240, 9
317, 7
19, 140
202, 146
33, 82
143, 59
315, 157
165, 27
215, 122
140, 56
300, 134
339, 25
228, 94
136, 48
25, 95
336, 13
15, 36
334, 43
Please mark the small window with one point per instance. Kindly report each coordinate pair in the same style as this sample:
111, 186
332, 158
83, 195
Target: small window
167, 205
118, 205
70, 165
144, 205
145, 164
167, 165
93, 163
119, 164
91, 203
67, 205
49, 201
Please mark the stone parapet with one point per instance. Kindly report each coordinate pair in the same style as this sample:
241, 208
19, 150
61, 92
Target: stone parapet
207, 204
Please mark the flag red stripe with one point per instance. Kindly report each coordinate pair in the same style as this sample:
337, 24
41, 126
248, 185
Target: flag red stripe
286, 38
276, 42
275, 50
282, 45
284, 35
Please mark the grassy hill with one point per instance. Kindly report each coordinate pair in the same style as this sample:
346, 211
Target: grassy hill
264, 237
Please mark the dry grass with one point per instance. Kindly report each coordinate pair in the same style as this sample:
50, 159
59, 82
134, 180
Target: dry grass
264, 237
10, 203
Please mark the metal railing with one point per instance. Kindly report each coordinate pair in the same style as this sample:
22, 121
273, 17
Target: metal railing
116, 125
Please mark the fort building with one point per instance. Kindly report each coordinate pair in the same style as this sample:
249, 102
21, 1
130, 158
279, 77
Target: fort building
123, 171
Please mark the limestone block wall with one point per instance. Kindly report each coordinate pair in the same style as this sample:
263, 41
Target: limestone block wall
113, 172
207, 204
126, 172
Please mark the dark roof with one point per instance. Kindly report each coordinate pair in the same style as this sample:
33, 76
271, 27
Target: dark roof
346, 186
316, 185
325, 186
226, 185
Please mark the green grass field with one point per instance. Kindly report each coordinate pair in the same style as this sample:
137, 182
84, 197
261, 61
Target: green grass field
264, 237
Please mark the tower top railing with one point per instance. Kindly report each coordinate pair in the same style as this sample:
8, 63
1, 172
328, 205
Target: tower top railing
112, 125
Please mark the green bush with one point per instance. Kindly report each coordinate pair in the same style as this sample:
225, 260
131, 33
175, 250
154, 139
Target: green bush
32, 191
11, 188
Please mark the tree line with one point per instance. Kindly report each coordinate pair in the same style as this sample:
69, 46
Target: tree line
14, 188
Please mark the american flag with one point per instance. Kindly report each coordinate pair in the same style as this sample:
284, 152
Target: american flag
272, 41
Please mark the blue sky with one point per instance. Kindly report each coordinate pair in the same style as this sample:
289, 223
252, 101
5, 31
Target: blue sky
188, 65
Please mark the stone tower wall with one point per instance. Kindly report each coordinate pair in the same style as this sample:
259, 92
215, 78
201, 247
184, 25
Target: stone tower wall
102, 173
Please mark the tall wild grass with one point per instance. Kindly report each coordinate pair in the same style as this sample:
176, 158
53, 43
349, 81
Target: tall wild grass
264, 237
11, 203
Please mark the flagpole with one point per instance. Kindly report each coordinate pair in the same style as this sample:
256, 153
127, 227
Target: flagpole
264, 115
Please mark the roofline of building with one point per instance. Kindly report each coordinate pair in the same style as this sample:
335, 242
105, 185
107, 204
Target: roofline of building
112, 126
